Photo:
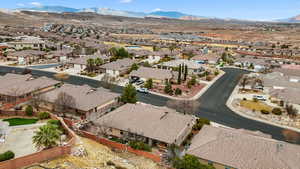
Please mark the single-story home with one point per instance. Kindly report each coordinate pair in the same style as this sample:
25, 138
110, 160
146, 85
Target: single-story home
159, 76
117, 68
210, 58
227, 148
85, 99
277, 80
287, 95
193, 67
14, 86
150, 124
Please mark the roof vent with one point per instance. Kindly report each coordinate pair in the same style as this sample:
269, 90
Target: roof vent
166, 113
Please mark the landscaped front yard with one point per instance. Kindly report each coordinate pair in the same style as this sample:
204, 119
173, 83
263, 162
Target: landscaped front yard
20, 121
257, 106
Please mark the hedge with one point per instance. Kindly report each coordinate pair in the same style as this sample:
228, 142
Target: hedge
43, 115
7, 156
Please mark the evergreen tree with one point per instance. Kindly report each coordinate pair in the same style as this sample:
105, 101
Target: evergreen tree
185, 72
179, 75
129, 94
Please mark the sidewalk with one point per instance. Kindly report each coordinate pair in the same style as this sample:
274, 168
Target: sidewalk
230, 106
198, 95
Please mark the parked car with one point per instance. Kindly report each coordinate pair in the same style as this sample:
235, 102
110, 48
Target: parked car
139, 82
143, 90
261, 98
133, 80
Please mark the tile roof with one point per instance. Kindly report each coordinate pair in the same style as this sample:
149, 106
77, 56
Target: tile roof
241, 150
159, 123
177, 62
18, 85
121, 64
152, 73
86, 98
288, 94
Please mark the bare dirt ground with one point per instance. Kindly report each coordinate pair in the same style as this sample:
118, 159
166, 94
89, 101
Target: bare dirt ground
97, 158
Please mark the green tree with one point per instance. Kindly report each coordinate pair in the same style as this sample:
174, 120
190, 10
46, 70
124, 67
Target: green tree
129, 94
29, 110
90, 64
172, 47
149, 84
178, 91
179, 74
134, 67
168, 88
98, 61
47, 136
190, 162
185, 72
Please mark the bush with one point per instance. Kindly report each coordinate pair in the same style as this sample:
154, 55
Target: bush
29, 110
7, 156
54, 122
139, 146
277, 111
43, 115
245, 99
265, 112
178, 91
200, 122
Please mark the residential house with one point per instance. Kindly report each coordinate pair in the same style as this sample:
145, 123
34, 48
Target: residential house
15, 86
206, 59
159, 76
193, 67
259, 65
287, 95
152, 59
117, 68
26, 56
227, 148
277, 80
86, 99
29, 42
147, 123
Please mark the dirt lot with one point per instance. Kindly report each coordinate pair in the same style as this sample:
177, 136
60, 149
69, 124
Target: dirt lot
98, 156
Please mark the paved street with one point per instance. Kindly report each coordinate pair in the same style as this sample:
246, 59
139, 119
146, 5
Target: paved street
213, 101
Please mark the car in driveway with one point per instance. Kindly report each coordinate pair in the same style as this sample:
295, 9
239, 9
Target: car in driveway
143, 90
139, 82
260, 98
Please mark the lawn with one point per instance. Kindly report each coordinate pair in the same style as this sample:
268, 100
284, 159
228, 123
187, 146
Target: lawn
258, 106
20, 121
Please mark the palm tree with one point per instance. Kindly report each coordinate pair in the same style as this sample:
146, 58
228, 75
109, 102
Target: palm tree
47, 137
90, 64
98, 61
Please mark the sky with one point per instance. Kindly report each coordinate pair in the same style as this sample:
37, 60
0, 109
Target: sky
239, 9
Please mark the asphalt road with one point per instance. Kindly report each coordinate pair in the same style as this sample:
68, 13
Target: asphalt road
212, 102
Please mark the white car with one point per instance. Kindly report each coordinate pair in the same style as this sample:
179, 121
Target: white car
261, 98
143, 90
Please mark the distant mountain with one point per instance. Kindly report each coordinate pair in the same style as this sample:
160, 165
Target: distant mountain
107, 11
295, 19
57, 9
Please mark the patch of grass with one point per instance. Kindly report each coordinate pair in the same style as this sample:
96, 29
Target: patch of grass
257, 106
20, 121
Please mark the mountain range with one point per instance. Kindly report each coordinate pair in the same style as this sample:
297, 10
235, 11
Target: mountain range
156, 14
108, 11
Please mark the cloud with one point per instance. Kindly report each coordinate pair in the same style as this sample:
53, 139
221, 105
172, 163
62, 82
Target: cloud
36, 4
126, 1
20, 4
156, 9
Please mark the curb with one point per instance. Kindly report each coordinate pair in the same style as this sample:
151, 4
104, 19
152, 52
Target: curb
198, 95
229, 105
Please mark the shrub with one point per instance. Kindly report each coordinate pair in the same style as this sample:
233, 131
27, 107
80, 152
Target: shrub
217, 73
200, 122
7, 156
245, 99
255, 100
277, 111
29, 110
265, 112
43, 115
139, 146
54, 122
178, 91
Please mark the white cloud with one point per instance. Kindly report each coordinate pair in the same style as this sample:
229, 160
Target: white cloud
156, 9
20, 4
36, 4
126, 1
